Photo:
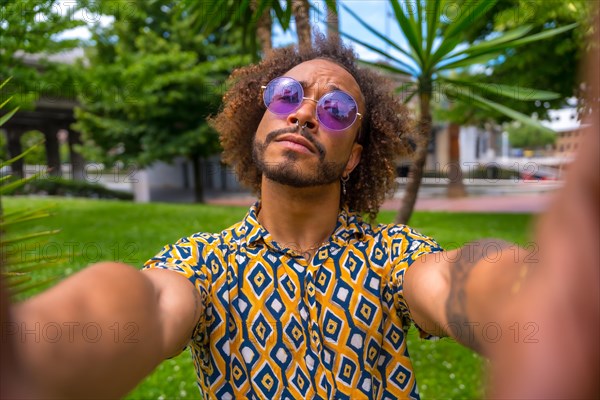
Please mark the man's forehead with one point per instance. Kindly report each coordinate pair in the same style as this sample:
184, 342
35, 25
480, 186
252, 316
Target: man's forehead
326, 73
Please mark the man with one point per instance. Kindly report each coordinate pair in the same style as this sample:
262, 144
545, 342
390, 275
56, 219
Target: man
301, 299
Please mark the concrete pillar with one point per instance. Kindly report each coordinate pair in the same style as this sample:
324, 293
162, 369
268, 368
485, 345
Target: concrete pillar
76, 159
141, 187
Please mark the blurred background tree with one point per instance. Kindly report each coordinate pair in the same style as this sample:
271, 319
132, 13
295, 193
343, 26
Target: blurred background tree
3, 150
527, 137
37, 155
150, 84
32, 34
34, 27
551, 64
256, 19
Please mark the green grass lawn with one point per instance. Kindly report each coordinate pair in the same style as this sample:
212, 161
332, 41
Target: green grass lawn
95, 230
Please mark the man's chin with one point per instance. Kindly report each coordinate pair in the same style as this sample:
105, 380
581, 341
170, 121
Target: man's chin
288, 178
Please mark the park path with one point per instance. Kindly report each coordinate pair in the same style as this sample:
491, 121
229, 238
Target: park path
522, 203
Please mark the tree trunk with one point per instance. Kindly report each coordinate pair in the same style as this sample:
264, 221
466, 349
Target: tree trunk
456, 187
13, 138
52, 153
198, 179
300, 9
416, 170
333, 23
263, 30
76, 159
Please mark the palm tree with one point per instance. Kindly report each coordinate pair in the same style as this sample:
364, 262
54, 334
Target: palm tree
433, 49
256, 16
333, 23
300, 9
264, 26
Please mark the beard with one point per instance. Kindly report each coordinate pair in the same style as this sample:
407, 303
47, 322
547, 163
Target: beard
290, 172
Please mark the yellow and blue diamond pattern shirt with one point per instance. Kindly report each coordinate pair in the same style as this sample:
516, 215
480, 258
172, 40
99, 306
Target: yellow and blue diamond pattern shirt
276, 326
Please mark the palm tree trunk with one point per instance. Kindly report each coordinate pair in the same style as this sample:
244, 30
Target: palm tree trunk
263, 29
333, 23
416, 171
300, 9
76, 159
456, 187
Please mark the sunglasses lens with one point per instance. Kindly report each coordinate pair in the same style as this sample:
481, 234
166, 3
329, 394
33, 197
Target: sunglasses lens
337, 110
283, 95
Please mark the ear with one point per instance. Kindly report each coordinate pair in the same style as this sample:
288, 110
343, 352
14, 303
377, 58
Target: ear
354, 159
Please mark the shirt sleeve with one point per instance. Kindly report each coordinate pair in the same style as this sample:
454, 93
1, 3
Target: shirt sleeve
187, 257
407, 245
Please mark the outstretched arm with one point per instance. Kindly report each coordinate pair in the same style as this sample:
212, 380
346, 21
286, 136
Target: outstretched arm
98, 333
461, 293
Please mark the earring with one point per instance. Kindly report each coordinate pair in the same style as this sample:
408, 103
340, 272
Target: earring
344, 180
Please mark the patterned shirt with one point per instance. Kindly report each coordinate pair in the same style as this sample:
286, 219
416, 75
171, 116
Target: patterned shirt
277, 326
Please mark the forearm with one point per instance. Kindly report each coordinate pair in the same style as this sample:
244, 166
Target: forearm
483, 277
97, 334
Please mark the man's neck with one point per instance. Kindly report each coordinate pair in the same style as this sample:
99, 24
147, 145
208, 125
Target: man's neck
301, 219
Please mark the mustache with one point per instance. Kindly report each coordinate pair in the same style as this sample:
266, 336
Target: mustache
292, 129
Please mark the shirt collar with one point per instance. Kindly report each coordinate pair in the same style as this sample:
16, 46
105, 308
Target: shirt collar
348, 226
254, 230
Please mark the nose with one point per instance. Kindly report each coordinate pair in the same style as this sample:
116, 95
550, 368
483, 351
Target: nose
305, 115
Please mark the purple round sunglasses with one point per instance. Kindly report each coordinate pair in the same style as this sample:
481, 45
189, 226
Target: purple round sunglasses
336, 110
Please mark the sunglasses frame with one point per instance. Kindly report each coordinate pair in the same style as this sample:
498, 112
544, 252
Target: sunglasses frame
357, 116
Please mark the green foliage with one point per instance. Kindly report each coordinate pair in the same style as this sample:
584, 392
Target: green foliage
151, 83
209, 16
3, 146
133, 233
70, 188
552, 64
38, 155
526, 137
489, 172
33, 27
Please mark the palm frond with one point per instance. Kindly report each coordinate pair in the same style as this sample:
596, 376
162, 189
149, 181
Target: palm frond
18, 157
16, 269
432, 23
468, 61
388, 67
492, 44
513, 92
409, 30
374, 31
509, 112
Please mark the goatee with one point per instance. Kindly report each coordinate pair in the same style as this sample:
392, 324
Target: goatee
289, 172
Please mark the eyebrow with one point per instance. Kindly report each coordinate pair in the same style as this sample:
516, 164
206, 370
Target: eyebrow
330, 86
